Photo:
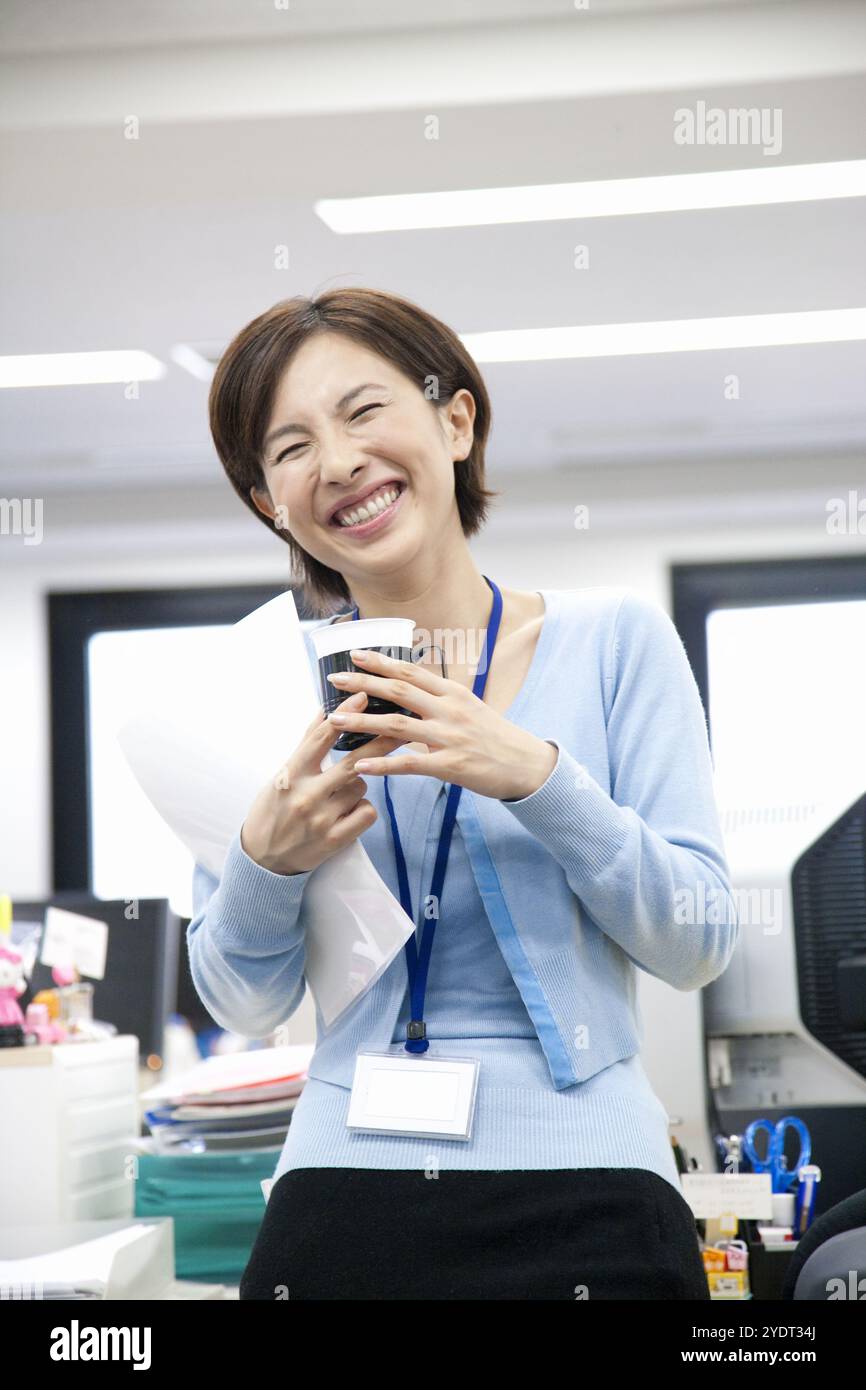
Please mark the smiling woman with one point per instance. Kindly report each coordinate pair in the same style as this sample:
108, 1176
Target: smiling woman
354, 426
281, 409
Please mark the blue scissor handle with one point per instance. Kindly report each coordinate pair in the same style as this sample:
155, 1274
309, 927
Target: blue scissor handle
775, 1161
759, 1165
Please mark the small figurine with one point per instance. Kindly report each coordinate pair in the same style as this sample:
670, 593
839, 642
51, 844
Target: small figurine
39, 1024
65, 973
12, 986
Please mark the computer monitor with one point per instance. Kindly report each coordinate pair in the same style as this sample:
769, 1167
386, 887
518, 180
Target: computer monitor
139, 990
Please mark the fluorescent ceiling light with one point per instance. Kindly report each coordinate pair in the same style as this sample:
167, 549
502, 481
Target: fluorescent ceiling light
199, 359
673, 335
79, 368
546, 202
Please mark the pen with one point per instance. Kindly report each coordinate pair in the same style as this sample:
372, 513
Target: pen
680, 1156
807, 1189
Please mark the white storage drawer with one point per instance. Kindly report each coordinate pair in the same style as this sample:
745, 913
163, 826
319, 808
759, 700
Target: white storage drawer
69, 1116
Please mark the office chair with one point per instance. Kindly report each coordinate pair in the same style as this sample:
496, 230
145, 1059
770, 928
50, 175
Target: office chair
829, 1262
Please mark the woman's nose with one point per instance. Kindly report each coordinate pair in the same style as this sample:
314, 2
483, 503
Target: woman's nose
338, 463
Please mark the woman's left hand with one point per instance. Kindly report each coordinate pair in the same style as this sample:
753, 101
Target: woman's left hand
468, 742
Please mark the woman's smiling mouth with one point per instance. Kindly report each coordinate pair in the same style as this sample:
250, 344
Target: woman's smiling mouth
372, 515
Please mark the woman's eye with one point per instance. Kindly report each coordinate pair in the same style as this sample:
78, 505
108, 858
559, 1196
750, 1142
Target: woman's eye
287, 453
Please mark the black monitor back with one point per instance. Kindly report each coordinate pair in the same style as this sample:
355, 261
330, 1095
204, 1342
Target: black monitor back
139, 990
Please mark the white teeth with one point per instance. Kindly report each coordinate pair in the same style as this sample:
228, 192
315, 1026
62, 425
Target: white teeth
368, 509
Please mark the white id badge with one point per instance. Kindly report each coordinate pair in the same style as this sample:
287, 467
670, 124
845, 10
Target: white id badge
418, 1095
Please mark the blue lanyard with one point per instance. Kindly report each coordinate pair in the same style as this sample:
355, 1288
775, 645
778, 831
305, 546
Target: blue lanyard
416, 1031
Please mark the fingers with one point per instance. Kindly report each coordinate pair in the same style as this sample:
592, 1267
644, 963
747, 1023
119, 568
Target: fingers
404, 691
349, 827
346, 798
321, 735
421, 676
376, 748
334, 779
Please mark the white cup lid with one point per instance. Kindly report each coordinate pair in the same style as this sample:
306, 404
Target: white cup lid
361, 633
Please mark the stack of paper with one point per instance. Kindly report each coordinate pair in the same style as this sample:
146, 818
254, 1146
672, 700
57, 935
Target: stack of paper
240, 1101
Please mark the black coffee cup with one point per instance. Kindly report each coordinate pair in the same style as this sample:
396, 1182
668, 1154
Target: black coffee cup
333, 642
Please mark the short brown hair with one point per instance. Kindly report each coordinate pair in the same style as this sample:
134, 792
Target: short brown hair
248, 374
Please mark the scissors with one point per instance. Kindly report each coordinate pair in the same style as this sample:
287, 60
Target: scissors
775, 1161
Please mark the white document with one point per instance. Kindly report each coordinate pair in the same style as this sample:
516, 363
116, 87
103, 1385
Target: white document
203, 756
715, 1195
69, 937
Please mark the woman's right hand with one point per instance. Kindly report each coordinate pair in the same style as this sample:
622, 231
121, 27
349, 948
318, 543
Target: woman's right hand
305, 815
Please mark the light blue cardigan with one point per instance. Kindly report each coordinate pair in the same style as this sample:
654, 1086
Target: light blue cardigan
618, 862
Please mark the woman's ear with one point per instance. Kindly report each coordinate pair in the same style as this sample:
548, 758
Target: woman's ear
265, 507
461, 420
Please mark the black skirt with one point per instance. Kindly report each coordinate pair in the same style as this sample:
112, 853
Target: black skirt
371, 1233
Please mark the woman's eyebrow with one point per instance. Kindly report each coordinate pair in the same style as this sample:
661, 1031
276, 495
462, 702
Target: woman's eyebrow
340, 406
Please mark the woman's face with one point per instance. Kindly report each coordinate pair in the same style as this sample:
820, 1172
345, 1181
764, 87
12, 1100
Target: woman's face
360, 428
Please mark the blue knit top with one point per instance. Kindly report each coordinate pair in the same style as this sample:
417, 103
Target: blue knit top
473, 1008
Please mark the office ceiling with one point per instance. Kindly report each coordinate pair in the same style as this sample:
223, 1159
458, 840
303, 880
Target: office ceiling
247, 117
43, 26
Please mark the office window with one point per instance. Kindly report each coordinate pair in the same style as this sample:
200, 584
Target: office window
787, 690
108, 652
133, 853
777, 648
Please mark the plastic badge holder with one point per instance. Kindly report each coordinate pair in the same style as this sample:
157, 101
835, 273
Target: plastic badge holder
412, 1095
